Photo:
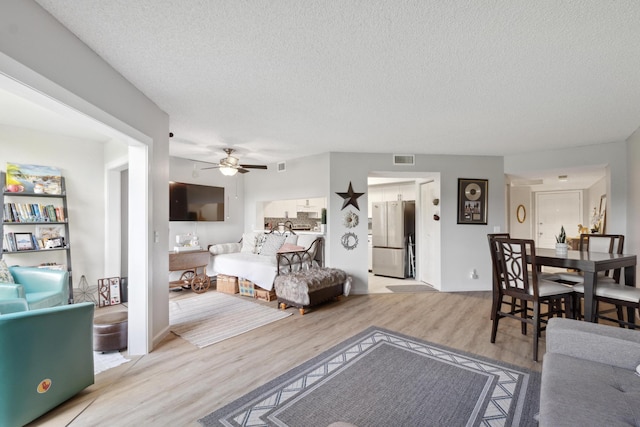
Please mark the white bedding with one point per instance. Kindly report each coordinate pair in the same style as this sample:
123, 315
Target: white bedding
259, 269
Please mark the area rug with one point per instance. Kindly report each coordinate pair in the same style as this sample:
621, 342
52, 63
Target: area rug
106, 361
208, 318
383, 378
410, 288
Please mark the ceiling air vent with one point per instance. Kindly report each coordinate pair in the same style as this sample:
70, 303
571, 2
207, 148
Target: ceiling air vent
404, 159
282, 166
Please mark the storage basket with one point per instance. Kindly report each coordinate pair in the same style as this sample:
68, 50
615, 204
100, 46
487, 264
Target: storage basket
265, 295
227, 284
246, 287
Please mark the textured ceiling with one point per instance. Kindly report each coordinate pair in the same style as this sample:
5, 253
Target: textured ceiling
283, 79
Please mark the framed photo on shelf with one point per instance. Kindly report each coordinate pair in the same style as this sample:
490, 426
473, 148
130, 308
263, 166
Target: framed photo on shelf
46, 232
472, 201
24, 242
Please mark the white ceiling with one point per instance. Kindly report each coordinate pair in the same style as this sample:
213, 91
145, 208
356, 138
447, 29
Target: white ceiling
284, 79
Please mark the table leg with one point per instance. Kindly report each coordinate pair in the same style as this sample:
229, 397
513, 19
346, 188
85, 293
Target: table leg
589, 290
630, 280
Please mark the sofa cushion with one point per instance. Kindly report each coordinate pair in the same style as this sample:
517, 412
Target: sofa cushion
271, 244
5, 274
581, 392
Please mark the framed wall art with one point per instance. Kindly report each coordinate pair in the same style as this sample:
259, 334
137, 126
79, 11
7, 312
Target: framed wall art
472, 201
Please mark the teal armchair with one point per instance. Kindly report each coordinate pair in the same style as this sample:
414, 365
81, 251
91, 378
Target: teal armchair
46, 357
40, 287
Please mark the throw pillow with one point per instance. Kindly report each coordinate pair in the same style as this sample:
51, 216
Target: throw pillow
259, 242
5, 274
272, 243
224, 248
249, 242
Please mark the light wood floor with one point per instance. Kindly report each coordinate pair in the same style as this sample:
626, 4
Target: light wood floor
178, 383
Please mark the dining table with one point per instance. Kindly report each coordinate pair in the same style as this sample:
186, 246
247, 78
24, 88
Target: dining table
590, 264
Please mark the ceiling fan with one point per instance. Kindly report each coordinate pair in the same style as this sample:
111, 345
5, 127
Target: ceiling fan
230, 165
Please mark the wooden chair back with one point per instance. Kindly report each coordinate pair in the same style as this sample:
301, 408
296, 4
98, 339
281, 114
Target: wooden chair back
495, 257
517, 278
608, 243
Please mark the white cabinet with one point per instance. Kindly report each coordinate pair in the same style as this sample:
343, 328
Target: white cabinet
312, 206
280, 209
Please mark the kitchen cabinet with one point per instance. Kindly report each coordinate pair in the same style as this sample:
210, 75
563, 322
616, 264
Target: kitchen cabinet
281, 209
312, 206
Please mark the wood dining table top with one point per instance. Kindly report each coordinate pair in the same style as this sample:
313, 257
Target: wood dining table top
590, 263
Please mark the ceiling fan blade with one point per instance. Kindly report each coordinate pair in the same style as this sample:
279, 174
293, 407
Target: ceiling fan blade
254, 166
241, 170
211, 167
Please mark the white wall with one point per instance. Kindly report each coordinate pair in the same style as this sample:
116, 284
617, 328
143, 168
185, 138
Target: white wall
612, 155
31, 45
209, 233
521, 196
303, 178
80, 162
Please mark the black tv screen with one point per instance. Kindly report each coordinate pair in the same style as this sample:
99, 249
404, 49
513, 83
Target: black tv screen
193, 202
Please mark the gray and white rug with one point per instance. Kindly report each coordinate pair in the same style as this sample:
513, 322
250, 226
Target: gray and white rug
208, 318
383, 378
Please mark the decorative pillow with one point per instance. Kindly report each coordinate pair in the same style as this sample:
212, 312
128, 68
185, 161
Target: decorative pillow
5, 274
292, 239
260, 239
272, 243
249, 242
225, 248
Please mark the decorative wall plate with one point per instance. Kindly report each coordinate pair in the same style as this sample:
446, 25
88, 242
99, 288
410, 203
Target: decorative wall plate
351, 219
349, 241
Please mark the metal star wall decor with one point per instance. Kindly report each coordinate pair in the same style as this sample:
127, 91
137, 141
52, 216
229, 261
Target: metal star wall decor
350, 197
84, 292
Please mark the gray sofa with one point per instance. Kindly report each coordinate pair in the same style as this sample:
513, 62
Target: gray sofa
588, 375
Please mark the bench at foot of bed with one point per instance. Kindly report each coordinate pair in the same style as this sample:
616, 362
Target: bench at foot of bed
306, 288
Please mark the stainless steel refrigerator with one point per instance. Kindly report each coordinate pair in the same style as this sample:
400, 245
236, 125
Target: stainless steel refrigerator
392, 224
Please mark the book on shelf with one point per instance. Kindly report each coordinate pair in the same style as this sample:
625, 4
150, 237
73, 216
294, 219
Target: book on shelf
32, 212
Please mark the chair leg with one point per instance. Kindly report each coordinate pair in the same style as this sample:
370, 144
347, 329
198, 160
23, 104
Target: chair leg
536, 329
494, 326
524, 306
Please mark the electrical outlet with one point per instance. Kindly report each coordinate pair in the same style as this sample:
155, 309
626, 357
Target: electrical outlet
474, 274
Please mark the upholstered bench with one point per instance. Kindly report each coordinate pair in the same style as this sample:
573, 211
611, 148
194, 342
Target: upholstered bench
306, 288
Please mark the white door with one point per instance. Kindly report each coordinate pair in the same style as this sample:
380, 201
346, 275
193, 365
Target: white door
428, 237
554, 210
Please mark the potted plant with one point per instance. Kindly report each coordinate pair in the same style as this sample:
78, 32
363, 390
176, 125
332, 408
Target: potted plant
561, 241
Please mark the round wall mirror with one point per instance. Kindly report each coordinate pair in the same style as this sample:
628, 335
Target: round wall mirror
521, 213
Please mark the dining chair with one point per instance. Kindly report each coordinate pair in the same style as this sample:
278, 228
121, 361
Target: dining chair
496, 268
519, 280
608, 243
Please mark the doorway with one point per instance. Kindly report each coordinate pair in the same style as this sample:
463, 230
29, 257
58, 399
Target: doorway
555, 210
424, 188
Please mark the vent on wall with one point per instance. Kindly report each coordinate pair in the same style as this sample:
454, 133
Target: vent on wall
404, 159
281, 167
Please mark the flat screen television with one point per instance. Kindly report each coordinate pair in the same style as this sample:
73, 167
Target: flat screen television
193, 202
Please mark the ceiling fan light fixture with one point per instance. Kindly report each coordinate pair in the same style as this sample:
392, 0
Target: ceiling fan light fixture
228, 170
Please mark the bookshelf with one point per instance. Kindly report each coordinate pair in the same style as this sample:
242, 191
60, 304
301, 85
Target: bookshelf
35, 224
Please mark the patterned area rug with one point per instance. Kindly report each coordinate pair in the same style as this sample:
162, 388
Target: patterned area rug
208, 318
383, 378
